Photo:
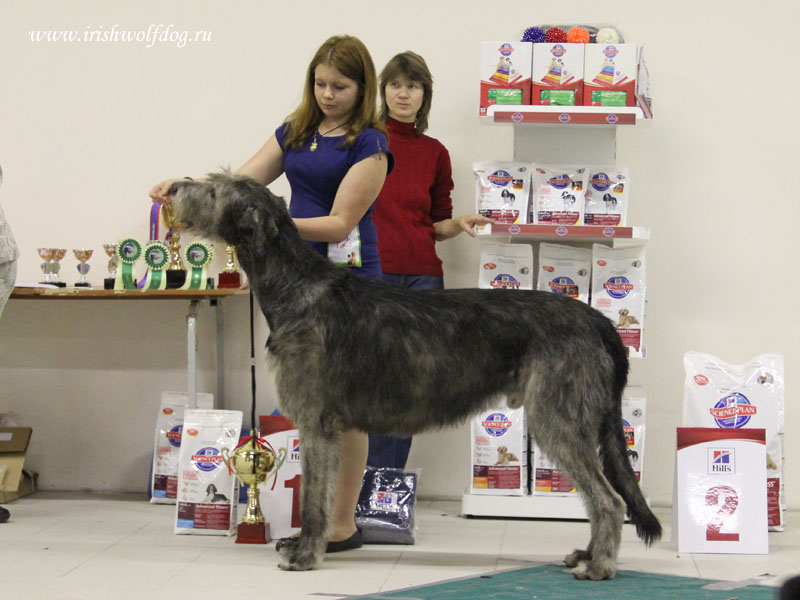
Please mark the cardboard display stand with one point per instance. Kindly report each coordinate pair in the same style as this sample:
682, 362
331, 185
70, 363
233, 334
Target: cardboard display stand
15, 480
720, 500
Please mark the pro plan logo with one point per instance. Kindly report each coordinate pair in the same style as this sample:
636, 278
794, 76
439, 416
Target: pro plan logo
610, 51
504, 282
174, 436
618, 287
560, 181
558, 50
506, 49
721, 461
500, 178
496, 424
733, 411
294, 449
600, 181
207, 458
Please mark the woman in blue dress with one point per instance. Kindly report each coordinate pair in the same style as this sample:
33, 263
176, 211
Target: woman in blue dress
334, 153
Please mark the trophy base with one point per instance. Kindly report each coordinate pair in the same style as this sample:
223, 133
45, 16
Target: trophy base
175, 279
108, 283
55, 283
229, 280
83, 285
252, 533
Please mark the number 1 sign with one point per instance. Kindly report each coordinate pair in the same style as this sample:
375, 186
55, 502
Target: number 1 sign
721, 497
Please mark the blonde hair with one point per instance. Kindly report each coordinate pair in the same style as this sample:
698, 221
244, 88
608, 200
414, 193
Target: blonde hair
349, 56
413, 67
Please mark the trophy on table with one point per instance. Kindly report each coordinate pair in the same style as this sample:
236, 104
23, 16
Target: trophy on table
176, 272
252, 462
230, 277
47, 254
83, 254
113, 261
58, 254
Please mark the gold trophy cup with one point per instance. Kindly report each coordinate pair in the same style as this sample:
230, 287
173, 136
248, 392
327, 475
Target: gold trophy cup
252, 463
176, 272
230, 277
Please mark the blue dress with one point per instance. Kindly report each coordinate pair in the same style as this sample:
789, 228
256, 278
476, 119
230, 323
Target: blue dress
314, 178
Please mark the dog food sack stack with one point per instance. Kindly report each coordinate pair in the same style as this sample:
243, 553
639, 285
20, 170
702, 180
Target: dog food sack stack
748, 396
506, 266
502, 190
169, 426
385, 510
565, 270
606, 201
634, 402
499, 452
207, 496
618, 291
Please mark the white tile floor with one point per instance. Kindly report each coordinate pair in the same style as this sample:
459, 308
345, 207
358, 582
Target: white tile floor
84, 547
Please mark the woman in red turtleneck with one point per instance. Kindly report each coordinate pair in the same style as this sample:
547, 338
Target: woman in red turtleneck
414, 209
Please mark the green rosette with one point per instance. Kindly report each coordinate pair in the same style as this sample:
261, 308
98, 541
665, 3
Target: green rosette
128, 251
198, 256
156, 257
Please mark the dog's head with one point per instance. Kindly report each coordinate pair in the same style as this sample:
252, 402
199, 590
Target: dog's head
211, 489
234, 208
502, 449
623, 312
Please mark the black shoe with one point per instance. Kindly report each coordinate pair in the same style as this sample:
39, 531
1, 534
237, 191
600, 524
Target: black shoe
351, 543
4, 515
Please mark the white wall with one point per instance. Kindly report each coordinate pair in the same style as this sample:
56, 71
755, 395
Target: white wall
87, 128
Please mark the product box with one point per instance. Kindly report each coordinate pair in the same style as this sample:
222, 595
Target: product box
557, 74
15, 480
505, 74
610, 75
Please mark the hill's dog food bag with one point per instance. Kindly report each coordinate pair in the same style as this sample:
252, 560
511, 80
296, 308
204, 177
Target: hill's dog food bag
558, 195
606, 201
549, 480
618, 291
502, 190
634, 404
565, 270
385, 509
169, 426
207, 491
748, 396
506, 266
500, 452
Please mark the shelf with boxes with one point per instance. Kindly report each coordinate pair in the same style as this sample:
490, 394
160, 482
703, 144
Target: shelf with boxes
554, 133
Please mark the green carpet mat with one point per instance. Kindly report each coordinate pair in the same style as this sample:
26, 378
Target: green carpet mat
551, 582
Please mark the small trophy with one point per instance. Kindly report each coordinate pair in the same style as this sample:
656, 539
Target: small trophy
83, 255
58, 254
230, 277
47, 254
111, 251
252, 462
176, 272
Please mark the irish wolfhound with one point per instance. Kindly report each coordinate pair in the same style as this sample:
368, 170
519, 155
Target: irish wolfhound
354, 353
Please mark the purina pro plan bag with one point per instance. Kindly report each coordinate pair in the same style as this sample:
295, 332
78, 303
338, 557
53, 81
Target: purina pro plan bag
207, 490
748, 396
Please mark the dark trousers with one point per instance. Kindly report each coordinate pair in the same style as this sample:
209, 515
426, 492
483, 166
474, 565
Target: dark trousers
387, 451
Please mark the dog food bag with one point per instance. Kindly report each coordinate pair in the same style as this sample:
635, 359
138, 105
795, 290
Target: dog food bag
558, 195
169, 425
499, 452
565, 270
503, 190
748, 396
385, 509
634, 403
606, 202
207, 498
548, 479
506, 266
618, 291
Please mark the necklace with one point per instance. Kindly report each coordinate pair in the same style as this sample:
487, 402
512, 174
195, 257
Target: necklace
314, 143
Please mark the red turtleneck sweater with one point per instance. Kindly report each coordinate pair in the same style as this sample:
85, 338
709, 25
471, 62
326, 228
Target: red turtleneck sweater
414, 197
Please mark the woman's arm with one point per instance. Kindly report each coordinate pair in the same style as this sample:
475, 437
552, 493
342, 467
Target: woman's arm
357, 191
449, 228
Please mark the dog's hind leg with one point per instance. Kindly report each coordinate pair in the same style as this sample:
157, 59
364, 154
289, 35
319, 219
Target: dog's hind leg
319, 457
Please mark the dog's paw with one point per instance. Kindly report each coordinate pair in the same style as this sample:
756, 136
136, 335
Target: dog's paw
577, 557
303, 555
594, 571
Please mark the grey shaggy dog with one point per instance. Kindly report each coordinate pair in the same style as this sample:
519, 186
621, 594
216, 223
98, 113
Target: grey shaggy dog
349, 352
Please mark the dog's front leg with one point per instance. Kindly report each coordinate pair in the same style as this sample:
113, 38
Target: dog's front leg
319, 454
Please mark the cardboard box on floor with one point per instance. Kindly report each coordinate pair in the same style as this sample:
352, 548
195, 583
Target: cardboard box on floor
15, 480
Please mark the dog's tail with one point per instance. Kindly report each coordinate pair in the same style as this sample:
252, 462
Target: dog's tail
614, 449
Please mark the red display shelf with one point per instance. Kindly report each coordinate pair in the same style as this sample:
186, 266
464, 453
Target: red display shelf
565, 115
555, 232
